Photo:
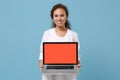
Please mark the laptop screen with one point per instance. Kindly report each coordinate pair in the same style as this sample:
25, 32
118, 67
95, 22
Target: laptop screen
60, 53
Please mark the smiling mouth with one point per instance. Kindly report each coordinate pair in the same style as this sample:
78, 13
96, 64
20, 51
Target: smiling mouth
59, 22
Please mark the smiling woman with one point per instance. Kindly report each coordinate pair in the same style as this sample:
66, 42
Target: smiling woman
61, 32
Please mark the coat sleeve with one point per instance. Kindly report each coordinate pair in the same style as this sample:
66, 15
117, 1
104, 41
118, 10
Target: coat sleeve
41, 45
76, 39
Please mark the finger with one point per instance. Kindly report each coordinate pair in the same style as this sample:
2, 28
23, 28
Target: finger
79, 65
41, 67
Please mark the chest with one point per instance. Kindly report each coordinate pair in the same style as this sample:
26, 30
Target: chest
55, 38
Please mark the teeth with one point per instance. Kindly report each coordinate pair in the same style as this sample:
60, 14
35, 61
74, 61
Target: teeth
59, 22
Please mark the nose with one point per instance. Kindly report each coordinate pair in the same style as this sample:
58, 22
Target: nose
59, 18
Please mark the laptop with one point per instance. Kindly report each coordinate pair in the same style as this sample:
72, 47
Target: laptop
60, 57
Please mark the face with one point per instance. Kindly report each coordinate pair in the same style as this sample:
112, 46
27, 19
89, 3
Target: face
59, 17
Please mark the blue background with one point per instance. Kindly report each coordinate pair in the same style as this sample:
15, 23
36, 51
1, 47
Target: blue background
22, 23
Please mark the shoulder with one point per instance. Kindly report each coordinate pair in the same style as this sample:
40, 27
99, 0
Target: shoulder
72, 32
48, 31
74, 35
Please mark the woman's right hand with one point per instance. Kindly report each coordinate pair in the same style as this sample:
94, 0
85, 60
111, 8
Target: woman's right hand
41, 64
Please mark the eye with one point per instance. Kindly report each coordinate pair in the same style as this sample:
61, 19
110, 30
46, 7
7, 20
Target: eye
55, 15
62, 15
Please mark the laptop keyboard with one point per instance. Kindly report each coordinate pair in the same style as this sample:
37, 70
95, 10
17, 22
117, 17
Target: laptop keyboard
60, 67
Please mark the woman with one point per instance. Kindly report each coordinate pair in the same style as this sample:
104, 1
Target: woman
61, 32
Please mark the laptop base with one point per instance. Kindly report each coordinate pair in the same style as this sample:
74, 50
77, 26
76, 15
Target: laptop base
60, 71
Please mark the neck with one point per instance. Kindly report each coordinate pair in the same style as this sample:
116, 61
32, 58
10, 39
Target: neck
61, 31
61, 28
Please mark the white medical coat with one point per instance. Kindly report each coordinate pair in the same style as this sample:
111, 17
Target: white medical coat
51, 36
